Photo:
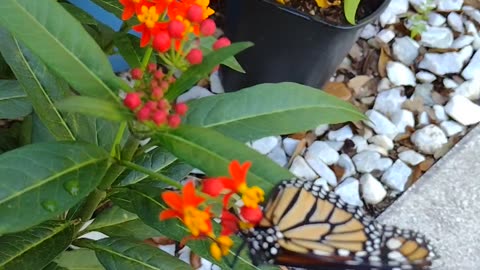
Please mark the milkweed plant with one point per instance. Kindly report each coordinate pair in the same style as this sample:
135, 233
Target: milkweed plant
84, 152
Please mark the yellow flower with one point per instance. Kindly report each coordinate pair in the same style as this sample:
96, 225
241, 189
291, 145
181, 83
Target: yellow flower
148, 16
221, 247
197, 221
251, 196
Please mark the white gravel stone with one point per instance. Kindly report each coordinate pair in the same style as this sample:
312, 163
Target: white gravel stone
399, 74
449, 5
301, 169
462, 41
323, 183
289, 145
442, 63
440, 113
472, 30
278, 155
267, 144
340, 135
195, 93
369, 31
422, 5
216, 84
472, 70
372, 190
385, 36
405, 50
382, 141
465, 54
356, 52
437, 37
449, 83
403, 119
346, 163
335, 145
321, 168
324, 152
424, 91
384, 84
367, 133
360, 143
429, 139
469, 89
436, 19
425, 77
381, 124
452, 128
368, 161
349, 191
389, 16
474, 14
375, 148
463, 110
423, 119
455, 22
397, 176
321, 129
411, 157
390, 101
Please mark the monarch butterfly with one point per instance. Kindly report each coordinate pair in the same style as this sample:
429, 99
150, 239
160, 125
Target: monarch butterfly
306, 226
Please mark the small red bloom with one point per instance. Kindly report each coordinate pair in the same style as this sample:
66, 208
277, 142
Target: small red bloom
176, 29
163, 104
158, 75
181, 108
149, 26
195, 14
174, 120
212, 186
252, 215
152, 105
157, 93
229, 223
195, 57
164, 85
152, 67
221, 42
132, 101
159, 117
137, 73
208, 27
162, 42
144, 114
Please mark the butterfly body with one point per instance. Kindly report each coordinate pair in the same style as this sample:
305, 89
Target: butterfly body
306, 226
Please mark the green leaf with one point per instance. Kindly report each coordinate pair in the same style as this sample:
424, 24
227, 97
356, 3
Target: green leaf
196, 73
38, 83
41, 181
95, 107
128, 47
116, 222
10, 137
80, 259
35, 247
158, 160
269, 109
64, 47
112, 6
148, 205
212, 152
81, 16
206, 44
13, 101
350, 9
124, 254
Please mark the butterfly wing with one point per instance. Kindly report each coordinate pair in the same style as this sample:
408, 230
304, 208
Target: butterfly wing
314, 227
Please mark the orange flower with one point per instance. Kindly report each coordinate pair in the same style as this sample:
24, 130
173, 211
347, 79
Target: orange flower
149, 25
129, 7
185, 207
251, 196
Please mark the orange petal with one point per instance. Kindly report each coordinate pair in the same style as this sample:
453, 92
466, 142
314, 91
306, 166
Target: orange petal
189, 197
128, 12
173, 199
168, 214
239, 171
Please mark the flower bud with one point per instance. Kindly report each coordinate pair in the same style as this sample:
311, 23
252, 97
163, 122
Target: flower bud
221, 42
152, 67
195, 14
132, 101
137, 74
208, 27
252, 215
195, 56
181, 108
161, 42
159, 117
157, 93
176, 29
212, 187
174, 121
144, 114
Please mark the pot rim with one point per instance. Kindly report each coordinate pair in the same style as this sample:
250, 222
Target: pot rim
305, 16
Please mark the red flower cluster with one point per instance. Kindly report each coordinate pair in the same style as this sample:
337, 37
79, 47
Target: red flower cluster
187, 207
148, 102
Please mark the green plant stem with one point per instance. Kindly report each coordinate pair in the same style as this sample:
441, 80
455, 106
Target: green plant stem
165, 179
99, 194
146, 57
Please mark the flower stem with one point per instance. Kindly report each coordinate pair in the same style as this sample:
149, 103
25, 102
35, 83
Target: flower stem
146, 57
162, 178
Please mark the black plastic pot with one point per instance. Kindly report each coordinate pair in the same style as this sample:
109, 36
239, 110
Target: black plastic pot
289, 46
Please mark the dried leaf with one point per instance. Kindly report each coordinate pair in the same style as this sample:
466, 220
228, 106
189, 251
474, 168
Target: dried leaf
195, 261
339, 171
425, 165
338, 89
382, 62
